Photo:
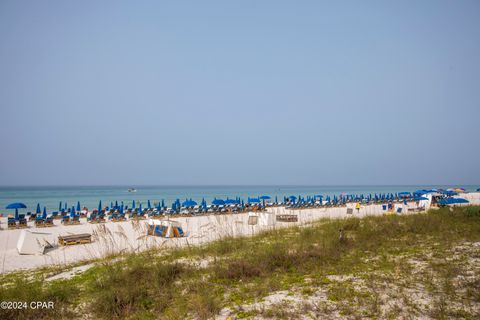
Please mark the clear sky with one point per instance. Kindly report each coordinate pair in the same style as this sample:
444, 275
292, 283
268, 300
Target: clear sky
239, 92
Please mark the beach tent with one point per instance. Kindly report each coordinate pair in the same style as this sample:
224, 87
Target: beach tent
33, 242
165, 228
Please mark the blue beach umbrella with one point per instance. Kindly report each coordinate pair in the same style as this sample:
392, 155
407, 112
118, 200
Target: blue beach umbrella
140, 207
44, 215
163, 203
100, 206
276, 199
218, 202
72, 212
419, 198
253, 200
230, 201
38, 209
60, 206
133, 204
16, 206
78, 206
149, 205
189, 203
265, 197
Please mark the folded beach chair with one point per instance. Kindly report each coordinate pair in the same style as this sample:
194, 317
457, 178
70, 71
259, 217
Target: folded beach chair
399, 210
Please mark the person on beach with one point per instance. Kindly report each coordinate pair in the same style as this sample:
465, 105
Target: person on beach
358, 207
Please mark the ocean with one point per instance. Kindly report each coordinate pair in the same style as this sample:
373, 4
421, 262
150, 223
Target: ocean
90, 196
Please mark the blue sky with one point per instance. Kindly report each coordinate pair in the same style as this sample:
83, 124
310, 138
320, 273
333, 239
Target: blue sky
239, 92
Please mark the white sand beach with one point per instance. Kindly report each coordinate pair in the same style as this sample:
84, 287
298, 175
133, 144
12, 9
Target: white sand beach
130, 236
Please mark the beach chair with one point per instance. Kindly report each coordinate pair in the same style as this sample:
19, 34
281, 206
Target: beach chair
399, 210
11, 223
180, 232
160, 231
39, 222
92, 218
49, 222
75, 219
22, 223
66, 220
101, 218
32, 217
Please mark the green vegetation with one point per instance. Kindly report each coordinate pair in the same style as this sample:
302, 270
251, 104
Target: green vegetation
384, 267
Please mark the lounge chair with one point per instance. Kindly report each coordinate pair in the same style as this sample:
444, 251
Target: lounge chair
11, 223
75, 219
66, 219
39, 222
22, 223
160, 230
49, 222
399, 210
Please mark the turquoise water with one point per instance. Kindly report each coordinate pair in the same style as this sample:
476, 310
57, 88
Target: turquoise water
90, 196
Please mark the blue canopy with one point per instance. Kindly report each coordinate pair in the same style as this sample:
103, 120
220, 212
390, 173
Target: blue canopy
448, 201
420, 198
38, 209
265, 197
44, 215
189, 203
72, 213
133, 204
149, 205
253, 200
100, 206
60, 206
230, 201
16, 205
140, 207
404, 193
218, 202
78, 206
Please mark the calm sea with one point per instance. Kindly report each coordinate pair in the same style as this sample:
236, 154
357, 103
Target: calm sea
90, 196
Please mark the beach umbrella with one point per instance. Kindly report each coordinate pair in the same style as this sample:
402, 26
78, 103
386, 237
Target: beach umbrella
265, 197
60, 206
140, 207
218, 202
38, 209
44, 215
100, 206
231, 201
78, 206
163, 203
253, 200
189, 203
133, 204
276, 199
461, 200
72, 212
16, 206
420, 198
111, 205
149, 205
116, 204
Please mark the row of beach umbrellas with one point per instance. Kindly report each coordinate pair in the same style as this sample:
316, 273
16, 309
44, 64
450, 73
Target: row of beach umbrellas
417, 195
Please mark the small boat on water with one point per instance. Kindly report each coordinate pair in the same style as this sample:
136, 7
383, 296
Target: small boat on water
132, 190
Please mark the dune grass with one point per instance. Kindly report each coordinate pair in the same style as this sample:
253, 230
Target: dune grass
333, 268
